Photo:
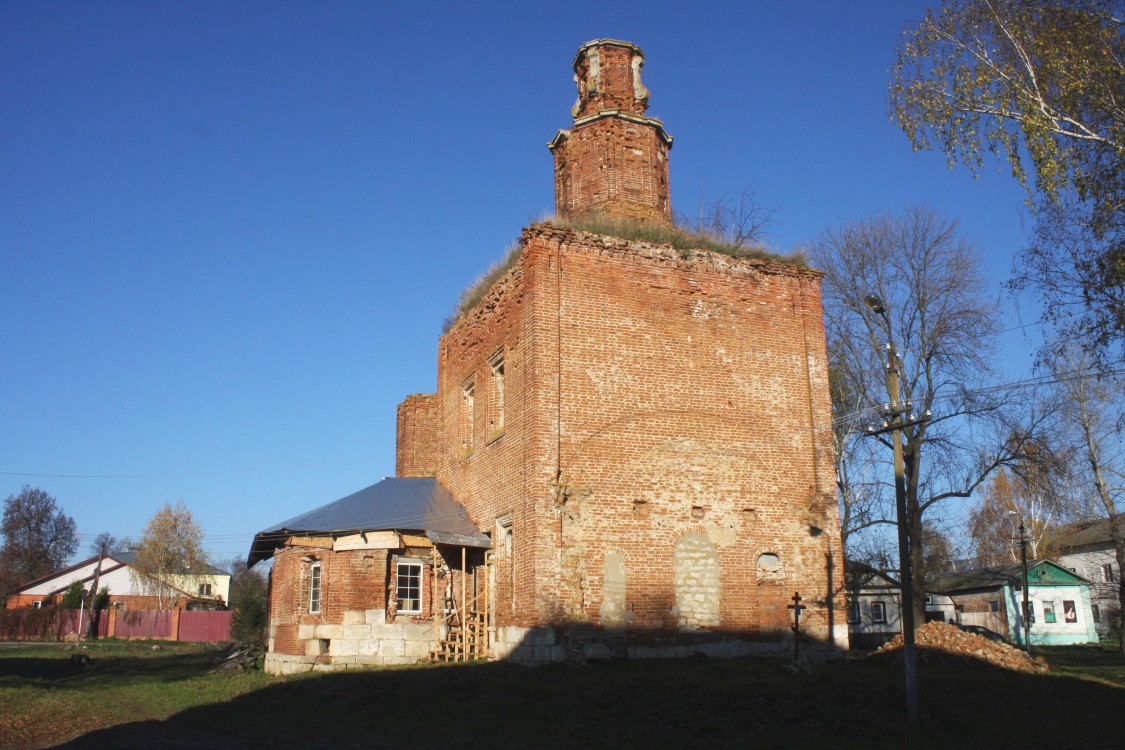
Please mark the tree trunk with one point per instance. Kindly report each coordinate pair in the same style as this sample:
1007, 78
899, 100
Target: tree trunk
1094, 456
1119, 548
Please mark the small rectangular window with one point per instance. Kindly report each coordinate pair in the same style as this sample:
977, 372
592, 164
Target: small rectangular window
1070, 612
1048, 612
314, 588
853, 611
878, 612
205, 589
1109, 575
994, 606
1096, 612
37, 605
409, 587
496, 396
468, 399
929, 599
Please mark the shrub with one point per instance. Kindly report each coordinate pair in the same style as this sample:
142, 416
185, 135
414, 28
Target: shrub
249, 620
72, 597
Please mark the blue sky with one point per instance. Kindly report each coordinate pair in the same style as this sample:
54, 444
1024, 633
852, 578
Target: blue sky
230, 232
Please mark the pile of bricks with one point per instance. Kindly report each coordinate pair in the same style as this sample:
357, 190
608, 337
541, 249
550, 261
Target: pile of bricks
942, 642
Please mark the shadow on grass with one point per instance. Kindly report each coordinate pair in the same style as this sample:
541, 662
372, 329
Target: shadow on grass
105, 668
687, 703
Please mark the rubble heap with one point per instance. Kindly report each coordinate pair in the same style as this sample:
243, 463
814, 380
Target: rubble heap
940, 641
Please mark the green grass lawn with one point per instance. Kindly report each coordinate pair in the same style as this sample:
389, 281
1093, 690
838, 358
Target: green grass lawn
133, 696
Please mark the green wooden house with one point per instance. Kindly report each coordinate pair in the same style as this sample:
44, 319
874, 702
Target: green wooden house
993, 598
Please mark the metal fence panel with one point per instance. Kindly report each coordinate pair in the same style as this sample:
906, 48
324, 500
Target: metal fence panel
201, 625
144, 623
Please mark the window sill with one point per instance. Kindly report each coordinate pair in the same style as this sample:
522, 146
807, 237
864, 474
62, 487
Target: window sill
495, 436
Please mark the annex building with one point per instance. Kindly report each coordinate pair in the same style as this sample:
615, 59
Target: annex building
629, 452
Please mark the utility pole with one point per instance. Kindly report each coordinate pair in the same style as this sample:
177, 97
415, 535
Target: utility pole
896, 415
1026, 599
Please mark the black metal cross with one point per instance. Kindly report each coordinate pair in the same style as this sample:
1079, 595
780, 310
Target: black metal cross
796, 606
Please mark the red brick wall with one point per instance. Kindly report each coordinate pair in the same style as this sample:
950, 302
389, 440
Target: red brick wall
417, 449
649, 395
350, 580
614, 161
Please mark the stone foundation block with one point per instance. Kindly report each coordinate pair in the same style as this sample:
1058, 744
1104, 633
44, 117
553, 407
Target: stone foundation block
328, 631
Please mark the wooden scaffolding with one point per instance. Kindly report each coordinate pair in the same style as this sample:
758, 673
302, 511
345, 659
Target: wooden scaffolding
465, 614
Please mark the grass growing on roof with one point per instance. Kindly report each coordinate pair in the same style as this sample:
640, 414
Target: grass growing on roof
472, 294
683, 239
680, 237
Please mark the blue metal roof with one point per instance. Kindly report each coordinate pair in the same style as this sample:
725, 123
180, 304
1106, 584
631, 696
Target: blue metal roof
398, 504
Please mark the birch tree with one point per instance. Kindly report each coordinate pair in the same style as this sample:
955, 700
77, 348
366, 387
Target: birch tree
1007, 501
170, 553
1038, 83
1094, 414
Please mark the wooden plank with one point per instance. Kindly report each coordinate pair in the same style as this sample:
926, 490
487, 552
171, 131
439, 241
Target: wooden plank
368, 540
434, 600
411, 540
310, 541
464, 609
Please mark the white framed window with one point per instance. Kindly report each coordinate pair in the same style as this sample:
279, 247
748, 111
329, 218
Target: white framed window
205, 589
314, 587
37, 604
878, 612
408, 586
1109, 575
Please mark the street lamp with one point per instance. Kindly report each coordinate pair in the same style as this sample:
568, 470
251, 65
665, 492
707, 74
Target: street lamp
893, 422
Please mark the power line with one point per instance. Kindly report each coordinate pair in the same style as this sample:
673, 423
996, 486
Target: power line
172, 475
1037, 381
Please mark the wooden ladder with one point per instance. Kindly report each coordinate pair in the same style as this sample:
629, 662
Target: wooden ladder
464, 640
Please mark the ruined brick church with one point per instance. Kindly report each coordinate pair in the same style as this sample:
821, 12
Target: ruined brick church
629, 452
